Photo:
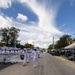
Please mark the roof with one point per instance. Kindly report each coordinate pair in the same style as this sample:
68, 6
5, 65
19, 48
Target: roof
72, 46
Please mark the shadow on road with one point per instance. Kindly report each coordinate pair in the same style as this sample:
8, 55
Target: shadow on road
4, 65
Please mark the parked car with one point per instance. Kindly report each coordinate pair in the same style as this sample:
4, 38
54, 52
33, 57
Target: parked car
72, 57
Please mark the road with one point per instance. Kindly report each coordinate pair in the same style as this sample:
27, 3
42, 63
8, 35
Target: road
48, 65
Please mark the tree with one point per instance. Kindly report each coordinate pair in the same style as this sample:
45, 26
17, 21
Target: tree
5, 37
20, 46
27, 45
50, 46
63, 41
1, 44
10, 35
14, 34
74, 39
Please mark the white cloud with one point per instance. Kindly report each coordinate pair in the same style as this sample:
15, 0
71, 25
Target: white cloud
34, 34
5, 3
23, 1
46, 26
22, 17
5, 21
28, 33
40, 33
46, 16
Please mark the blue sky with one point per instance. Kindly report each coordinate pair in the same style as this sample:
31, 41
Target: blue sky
39, 20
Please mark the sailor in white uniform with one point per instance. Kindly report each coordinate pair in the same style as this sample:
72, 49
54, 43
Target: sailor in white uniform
25, 57
12, 51
3, 52
28, 55
31, 54
0, 51
38, 51
35, 58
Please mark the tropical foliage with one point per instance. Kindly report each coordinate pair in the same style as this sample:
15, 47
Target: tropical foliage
10, 36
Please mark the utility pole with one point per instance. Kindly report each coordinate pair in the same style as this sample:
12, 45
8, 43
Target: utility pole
33, 43
53, 42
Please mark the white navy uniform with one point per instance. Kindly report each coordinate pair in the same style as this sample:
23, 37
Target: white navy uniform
28, 56
35, 59
38, 51
31, 54
0, 51
25, 58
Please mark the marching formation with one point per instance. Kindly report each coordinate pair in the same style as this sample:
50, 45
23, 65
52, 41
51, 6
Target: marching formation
20, 55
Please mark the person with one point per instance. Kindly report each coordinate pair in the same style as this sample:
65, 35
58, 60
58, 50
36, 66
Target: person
28, 55
31, 54
0, 51
35, 58
25, 57
38, 51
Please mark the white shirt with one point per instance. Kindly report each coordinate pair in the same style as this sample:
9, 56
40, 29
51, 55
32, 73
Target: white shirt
35, 54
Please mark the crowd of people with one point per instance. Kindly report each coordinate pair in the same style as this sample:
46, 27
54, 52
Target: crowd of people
26, 54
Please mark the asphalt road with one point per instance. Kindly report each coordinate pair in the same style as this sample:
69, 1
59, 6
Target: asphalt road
48, 65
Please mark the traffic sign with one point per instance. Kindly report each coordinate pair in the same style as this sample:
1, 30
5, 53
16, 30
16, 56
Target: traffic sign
71, 41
